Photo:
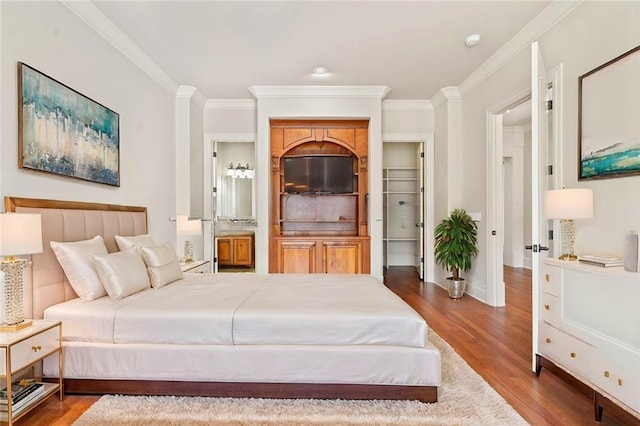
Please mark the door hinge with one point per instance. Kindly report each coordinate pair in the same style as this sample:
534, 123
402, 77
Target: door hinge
215, 260
215, 154
550, 169
548, 105
422, 260
550, 234
214, 190
422, 189
422, 155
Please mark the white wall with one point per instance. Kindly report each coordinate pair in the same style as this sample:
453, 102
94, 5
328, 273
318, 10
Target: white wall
513, 155
591, 35
47, 36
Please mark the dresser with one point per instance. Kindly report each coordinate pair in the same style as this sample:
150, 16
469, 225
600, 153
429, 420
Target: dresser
589, 326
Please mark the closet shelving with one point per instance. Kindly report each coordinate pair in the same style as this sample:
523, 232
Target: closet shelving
401, 195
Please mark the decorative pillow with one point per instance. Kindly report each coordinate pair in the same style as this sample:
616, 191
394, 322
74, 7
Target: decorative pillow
77, 262
126, 243
162, 264
122, 273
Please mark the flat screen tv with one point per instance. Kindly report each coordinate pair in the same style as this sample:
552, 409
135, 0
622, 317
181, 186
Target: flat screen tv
318, 174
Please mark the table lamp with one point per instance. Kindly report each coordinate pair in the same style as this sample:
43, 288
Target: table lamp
568, 204
20, 234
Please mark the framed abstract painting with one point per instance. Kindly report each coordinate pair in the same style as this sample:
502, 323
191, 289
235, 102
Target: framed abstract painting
64, 132
609, 119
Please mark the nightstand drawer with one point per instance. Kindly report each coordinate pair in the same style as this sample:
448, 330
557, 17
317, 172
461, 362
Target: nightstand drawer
32, 349
196, 267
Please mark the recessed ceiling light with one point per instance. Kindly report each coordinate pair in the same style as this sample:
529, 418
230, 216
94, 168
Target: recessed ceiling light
472, 40
320, 71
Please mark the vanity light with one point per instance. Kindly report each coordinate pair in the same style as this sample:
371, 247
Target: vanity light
240, 171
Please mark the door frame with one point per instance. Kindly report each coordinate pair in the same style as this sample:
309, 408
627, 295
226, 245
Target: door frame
427, 141
495, 181
495, 196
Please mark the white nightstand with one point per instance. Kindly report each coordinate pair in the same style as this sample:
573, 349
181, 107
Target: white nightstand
24, 348
196, 267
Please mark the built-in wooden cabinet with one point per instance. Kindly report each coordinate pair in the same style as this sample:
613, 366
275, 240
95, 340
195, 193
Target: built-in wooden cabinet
235, 250
325, 255
319, 233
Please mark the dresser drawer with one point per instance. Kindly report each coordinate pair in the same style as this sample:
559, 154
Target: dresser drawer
573, 354
551, 280
550, 309
617, 374
32, 349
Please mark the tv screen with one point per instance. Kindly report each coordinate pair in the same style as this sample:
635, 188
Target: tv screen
318, 174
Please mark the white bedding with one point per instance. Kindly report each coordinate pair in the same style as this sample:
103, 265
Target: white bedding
249, 309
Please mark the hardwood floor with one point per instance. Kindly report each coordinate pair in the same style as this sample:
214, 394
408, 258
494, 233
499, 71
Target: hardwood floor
495, 342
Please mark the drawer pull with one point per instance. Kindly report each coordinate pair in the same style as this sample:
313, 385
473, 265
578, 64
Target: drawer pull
619, 382
546, 306
548, 340
36, 348
546, 277
573, 354
606, 374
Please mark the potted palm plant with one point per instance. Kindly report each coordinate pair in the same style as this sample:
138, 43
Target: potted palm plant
456, 240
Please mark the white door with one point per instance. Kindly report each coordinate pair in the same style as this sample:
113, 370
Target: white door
214, 207
420, 211
539, 182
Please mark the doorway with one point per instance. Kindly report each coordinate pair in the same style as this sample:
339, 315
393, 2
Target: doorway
403, 205
233, 207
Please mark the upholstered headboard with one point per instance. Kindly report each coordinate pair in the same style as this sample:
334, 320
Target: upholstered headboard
45, 283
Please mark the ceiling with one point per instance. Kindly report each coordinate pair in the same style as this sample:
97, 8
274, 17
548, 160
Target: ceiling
224, 47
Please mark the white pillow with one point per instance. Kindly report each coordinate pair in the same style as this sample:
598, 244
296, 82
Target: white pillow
77, 262
162, 264
126, 243
122, 273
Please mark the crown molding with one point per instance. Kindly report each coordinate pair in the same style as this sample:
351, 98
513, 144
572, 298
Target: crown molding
185, 91
544, 21
339, 92
444, 94
249, 104
95, 19
407, 105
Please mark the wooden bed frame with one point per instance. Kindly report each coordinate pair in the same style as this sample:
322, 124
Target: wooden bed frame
35, 303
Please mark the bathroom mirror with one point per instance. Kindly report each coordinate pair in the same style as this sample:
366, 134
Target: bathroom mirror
235, 198
235, 181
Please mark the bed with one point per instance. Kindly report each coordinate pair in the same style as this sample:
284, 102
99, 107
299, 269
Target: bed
226, 334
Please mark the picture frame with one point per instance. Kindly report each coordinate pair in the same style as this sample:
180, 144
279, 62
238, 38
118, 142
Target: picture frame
608, 115
64, 132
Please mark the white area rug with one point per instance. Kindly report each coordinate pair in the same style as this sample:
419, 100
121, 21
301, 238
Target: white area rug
464, 399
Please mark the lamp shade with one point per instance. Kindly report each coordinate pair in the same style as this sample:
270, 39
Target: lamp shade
20, 233
568, 203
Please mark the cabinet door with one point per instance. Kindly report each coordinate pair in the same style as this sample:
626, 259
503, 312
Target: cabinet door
225, 253
296, 257
242, 251
342, 257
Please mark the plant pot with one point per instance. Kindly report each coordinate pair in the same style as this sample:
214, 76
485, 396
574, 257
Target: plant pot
456, 287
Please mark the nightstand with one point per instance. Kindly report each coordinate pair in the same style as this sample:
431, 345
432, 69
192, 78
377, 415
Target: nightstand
22, 349
196, 267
